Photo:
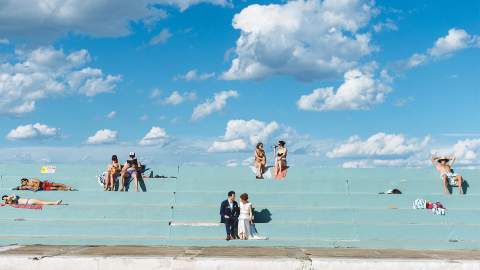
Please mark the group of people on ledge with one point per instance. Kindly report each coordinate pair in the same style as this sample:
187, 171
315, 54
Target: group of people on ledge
280, 160
131, 169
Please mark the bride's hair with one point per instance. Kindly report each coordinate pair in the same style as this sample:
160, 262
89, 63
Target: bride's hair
244, 196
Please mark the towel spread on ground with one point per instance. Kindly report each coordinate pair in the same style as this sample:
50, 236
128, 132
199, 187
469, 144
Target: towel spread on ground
437, 207
35, 207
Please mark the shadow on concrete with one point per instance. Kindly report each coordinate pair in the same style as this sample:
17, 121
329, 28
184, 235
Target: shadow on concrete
264, 216
465, 186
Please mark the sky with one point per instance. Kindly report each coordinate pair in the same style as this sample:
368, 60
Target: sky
350, 83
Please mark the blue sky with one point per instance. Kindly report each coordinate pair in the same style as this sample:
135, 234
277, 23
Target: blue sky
353, 83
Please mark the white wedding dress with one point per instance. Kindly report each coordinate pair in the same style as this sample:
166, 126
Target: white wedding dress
244, 225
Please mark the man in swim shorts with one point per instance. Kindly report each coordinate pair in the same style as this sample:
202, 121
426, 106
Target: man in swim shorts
444, 165
36, 185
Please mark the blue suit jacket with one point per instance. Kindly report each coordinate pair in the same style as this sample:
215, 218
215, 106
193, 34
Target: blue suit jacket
226, 211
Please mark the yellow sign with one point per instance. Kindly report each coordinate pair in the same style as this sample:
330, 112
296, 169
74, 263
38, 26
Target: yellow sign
48, 169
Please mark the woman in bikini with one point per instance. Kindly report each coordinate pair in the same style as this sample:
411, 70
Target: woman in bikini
113, 171
280, 160
260, 160
34, 184
15, 199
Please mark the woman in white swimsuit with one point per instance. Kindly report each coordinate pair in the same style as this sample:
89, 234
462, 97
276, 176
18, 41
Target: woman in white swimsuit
15, 199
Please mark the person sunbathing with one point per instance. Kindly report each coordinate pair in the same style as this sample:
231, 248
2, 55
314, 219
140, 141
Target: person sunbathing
444, 165
34, 184
260, 160
16, 200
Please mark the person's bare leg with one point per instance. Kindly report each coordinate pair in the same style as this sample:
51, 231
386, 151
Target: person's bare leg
112, 181
460, 182
122, 176
445, 188
63, 187
41, 202
135, 177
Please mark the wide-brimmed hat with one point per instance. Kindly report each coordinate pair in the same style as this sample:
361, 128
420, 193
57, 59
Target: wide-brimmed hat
443, 158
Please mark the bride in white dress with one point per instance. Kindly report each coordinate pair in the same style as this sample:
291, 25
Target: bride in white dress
246, 217
246, 227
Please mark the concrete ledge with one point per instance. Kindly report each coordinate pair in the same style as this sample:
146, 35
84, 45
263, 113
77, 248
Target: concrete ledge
231, 258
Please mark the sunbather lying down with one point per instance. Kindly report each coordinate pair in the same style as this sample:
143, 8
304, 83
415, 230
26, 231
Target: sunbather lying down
36, 185
15, 199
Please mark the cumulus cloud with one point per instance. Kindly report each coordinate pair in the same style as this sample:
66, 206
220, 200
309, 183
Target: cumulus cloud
243, 134
467, 152
359, 91
216, 104
455, 41
161, 37
379, 145
34, 20
33, 131
193, 75
103, 136
304, 39
45, 72
156, 136
176, 98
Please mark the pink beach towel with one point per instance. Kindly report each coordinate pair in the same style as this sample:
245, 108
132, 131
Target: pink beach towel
35, 207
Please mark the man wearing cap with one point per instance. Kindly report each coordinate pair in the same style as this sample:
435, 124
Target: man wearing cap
444, 165
131, 168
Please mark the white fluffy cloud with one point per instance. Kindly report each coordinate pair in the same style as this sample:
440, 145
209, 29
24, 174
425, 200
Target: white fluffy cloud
45, 72
176, 98
455, 40
242, 134
156, 136
103, 136
161, 37
34, 19
359, 91
379, 145
193, 75
216, 104
467, 152
305, 39
33, 131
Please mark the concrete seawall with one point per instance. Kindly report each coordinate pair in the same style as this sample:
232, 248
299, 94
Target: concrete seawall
231, 258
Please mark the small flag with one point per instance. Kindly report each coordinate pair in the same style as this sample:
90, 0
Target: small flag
48, 169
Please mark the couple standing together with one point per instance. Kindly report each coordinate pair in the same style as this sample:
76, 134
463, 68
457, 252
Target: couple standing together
280, 165
238, 217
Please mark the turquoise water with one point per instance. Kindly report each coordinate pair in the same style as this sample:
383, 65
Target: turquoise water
321, 207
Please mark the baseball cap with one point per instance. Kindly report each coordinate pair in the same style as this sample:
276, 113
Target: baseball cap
132, 154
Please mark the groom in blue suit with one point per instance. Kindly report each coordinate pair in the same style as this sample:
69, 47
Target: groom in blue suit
229, 212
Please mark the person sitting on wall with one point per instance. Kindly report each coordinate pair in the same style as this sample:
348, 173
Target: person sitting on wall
444, 165
131, 168
229, 212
